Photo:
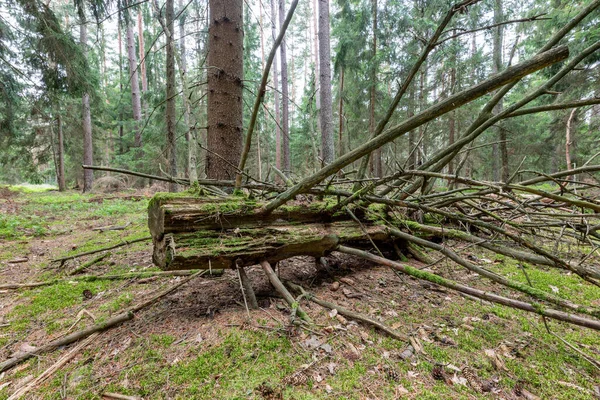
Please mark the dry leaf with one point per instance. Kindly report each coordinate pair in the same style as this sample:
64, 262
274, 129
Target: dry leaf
333, 313
497, 362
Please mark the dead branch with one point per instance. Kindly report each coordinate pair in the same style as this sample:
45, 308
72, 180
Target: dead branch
347, 313
92, 278
110, 323
442, 107
89, 263
536, 308
278, 285
87, 253
55, 367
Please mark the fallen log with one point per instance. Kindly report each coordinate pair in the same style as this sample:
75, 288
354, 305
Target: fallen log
191, 232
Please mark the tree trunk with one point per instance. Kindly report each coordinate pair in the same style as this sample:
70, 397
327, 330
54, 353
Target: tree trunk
61, 159
412, 151
121, 144
225, 83
376, 163
171, 93
136, 104
142, 52
191, 135
186, 233
88, 149
327, 142
452, 114
497, 67
287, 167
276, 95
315, 52
341, 115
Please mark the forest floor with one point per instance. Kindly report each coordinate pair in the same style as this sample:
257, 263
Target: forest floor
198, 342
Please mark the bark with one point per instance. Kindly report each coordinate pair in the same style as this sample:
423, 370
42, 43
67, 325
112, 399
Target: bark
225, 76
61, 156
327, 142
209, 233
171, 93
440, 108
135, 86
120, 39
315, 51
190, 134
452, 115
142, 52
497, 67
86, 116
276, 98
285, 103
341, 115
376, 167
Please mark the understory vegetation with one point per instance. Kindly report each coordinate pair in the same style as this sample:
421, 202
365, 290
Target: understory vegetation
199, 342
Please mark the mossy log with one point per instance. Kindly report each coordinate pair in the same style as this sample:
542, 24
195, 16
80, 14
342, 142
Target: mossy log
224, 233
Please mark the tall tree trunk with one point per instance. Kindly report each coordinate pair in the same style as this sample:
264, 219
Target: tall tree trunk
341, 115
191, 135
497, 67
171, 93
276, 94
316, 61
225, 77
376, 163
327, 142
142, 52
285, 104
86, 116
412, 158
569, 141
452, 115
121, 144
135, 86
61, 156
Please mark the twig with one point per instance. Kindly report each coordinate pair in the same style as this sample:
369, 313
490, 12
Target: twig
87, 253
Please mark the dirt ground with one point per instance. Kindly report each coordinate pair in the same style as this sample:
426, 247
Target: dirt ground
201, 342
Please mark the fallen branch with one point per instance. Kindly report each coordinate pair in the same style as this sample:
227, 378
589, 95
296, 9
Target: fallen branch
111, 227
87, 253
278, 285
536, 308
110, 323
55, 367
92, 278
89, 263
73, 337
347, 313
442, 107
